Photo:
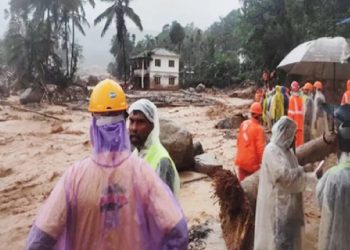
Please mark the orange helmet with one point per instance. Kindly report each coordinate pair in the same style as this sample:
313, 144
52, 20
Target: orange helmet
318, 85
348, 85
294, 86
256, 108
107, 96
308, 86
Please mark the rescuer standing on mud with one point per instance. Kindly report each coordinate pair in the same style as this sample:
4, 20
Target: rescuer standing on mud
144, 135
250, 143
111, 199
279, 212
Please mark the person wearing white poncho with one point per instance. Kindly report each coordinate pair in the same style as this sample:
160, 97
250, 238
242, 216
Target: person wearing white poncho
144, 135
333, 193
279, 212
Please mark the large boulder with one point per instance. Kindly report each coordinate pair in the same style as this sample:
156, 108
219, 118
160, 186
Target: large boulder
197, 148
200, 88
92, 80
207, 164
31, 95
245, 93
231, 122
179, 143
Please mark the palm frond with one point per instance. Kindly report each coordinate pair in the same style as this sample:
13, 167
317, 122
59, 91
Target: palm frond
105, 15
107, 24
129, 12
79, 25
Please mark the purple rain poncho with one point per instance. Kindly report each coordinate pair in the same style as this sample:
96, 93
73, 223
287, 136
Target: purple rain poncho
111, 200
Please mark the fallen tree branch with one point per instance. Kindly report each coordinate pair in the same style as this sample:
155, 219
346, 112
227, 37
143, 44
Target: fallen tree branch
38, 113
194, 180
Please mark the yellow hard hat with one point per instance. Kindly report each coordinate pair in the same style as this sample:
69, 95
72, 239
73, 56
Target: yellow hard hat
107, 96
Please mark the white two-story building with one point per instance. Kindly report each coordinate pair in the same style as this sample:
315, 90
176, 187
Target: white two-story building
157, 69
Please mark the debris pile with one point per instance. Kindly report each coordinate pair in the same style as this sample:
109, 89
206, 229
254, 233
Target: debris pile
246, 90
172, 98
197, 235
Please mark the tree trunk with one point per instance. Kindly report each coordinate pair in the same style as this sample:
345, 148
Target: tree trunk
48, 26
237, 219
124, 58
66, 42
72, 59
317, 149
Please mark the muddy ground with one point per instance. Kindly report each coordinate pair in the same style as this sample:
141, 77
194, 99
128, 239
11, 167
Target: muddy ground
35, 150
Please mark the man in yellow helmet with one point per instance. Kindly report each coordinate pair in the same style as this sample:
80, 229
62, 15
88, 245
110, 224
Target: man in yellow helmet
144, 135
111, 199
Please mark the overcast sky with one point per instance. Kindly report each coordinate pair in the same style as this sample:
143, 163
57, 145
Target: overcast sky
154, 15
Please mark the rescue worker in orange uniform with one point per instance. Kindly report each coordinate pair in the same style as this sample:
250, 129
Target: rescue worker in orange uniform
250, 143
296, 112
346, 96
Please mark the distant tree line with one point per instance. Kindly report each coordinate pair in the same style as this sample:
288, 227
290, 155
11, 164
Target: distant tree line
245, 42
40, 43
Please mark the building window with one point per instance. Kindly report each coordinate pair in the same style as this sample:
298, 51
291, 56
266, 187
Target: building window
157, 80
171, 63
172, 80
157, 62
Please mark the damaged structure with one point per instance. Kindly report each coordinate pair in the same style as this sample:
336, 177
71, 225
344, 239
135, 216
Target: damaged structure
156, 69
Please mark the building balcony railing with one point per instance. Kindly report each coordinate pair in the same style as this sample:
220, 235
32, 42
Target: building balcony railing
138, 72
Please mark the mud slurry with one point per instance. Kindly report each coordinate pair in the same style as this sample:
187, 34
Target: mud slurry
32, 159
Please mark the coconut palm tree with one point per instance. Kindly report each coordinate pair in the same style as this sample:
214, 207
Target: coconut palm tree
118, 11
72, 17
43, 25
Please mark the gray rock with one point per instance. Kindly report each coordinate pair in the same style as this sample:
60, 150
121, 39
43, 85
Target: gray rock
92, 80
200, 88
224, 124
191, 89
231, 122
179, 143
197, 148
207, 164
245, 93
31, 95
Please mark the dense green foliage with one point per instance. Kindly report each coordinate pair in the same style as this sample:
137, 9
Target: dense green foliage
247, 41
269, 29
40, 42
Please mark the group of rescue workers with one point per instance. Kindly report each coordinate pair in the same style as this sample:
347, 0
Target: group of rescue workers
295, 118
119, 199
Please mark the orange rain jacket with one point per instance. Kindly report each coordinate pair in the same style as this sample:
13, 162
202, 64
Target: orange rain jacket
250, 146
296, 113
346, 96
